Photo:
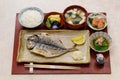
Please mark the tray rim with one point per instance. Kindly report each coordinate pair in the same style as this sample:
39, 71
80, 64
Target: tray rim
86, 69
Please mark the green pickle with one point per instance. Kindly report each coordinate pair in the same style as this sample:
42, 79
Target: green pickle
48, 23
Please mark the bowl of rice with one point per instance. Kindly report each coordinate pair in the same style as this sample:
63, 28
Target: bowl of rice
31, 17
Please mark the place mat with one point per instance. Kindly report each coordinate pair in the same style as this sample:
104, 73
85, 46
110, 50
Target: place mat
91, 68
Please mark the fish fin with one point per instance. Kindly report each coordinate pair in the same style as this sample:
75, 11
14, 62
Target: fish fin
39, 51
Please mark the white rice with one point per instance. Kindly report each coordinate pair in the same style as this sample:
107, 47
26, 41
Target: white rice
31, 18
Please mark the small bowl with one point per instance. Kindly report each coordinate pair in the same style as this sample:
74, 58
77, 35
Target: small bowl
75, 16
31, 17
95, 37
98, 24
57, 22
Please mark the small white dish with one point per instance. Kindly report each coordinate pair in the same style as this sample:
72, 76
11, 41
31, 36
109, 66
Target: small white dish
96, 15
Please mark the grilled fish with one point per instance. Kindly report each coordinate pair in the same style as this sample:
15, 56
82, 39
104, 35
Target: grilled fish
46, 45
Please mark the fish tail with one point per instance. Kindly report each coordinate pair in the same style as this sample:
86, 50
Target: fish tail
72, 49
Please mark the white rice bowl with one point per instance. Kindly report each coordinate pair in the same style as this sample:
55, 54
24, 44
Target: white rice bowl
31, 17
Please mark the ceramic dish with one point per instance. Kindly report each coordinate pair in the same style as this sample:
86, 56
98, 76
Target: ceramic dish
75, 16
53, 20
97, 21
24, 55
31, 17
100, 41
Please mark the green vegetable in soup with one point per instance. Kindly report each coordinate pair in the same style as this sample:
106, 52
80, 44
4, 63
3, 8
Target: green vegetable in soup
104, 46
77, 20
70, 13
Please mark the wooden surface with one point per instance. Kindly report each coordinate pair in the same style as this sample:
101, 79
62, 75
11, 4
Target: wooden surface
91, 68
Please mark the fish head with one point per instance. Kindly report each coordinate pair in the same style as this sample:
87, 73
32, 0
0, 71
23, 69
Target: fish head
31, 41
34, 38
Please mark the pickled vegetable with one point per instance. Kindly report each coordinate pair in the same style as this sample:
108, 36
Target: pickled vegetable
53, 21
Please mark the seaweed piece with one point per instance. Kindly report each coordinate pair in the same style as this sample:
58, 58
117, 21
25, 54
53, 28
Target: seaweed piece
77, 20
70, 13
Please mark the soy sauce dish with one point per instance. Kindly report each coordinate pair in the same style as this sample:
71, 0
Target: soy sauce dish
31, 17
100, 41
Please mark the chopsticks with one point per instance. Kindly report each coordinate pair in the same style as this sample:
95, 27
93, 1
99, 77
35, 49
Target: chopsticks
46, 66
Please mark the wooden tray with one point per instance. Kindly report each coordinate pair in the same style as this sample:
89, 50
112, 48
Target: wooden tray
91, 68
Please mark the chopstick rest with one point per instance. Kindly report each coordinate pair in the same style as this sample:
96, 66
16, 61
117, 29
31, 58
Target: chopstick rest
31, 69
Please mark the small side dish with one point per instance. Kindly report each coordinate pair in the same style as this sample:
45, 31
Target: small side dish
100, 41
97, 21
53, 20
31, 17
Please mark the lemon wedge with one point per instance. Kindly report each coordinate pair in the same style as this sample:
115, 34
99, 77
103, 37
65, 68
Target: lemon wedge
78, 40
